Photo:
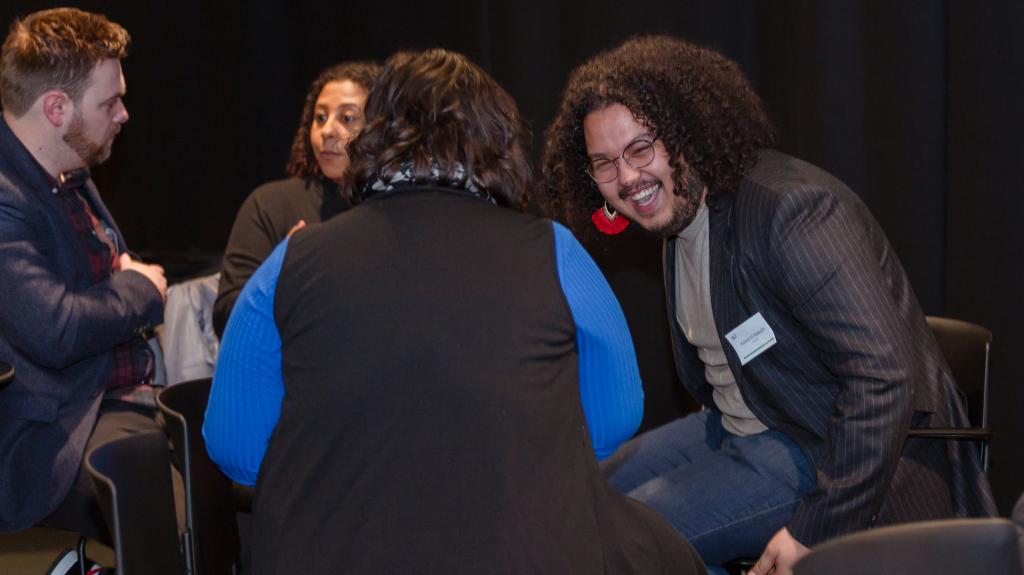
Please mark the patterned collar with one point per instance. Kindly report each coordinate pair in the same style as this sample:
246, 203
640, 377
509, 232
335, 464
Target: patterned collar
405, 177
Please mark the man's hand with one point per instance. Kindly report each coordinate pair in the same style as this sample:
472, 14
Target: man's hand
779, 556
153, 273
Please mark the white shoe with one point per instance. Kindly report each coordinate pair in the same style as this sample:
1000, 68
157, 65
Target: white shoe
66, 563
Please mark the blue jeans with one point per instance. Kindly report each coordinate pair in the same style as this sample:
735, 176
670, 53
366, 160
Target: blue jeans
726, 494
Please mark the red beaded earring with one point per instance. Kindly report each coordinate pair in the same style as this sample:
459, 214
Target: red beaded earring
608, 221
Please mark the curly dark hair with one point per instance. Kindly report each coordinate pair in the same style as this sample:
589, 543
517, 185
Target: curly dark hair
55, 48
439, 107
302, 163
695, 100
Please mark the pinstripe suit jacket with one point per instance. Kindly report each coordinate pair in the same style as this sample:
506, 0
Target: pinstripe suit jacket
855, 364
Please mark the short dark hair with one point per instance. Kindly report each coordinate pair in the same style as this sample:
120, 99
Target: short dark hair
302, 162
55, 48
696, 101
439, 107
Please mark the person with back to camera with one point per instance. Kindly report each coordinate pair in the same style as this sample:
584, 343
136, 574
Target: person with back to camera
421, 384
331, 116
792, 320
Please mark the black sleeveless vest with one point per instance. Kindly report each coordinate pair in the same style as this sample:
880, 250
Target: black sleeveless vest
431, 421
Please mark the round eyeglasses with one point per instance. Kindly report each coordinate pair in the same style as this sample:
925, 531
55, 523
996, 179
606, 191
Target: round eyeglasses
638, 154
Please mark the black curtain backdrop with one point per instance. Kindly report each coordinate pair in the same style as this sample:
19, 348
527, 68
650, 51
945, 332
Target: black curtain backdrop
914, 104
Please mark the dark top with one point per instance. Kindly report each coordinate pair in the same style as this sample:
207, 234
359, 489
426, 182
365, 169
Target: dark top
432, 420
264, 219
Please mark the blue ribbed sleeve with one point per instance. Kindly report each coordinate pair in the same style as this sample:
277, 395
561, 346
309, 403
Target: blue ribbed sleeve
610, 387
245, 402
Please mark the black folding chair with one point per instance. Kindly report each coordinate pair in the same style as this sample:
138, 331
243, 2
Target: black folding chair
961, 546
966, 348
211, 536
133, 484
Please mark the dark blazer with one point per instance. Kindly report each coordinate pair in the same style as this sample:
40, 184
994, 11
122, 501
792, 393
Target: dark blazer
58, 328
855, 364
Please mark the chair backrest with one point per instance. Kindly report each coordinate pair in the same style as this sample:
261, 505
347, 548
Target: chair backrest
211, 525
966, 348
961, 546
133, 484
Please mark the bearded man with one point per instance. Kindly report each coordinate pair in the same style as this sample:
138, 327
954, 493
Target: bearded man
77, 304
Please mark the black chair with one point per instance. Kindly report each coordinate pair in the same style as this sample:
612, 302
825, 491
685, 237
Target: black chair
211, 535
966, 348
740, 566
133, 484
961, 546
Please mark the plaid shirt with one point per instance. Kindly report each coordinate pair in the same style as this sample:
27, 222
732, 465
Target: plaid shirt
133, 359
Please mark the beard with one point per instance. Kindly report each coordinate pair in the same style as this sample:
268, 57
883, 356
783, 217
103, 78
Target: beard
92, 153
685, 204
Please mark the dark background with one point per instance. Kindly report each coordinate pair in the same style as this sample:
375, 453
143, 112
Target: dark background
915, 105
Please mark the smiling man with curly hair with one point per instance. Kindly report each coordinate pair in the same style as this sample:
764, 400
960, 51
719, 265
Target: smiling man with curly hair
792, 320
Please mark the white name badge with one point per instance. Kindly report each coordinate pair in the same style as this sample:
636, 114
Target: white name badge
751, 338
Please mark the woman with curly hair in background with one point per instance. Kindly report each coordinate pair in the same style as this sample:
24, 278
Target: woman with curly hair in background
331, 116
